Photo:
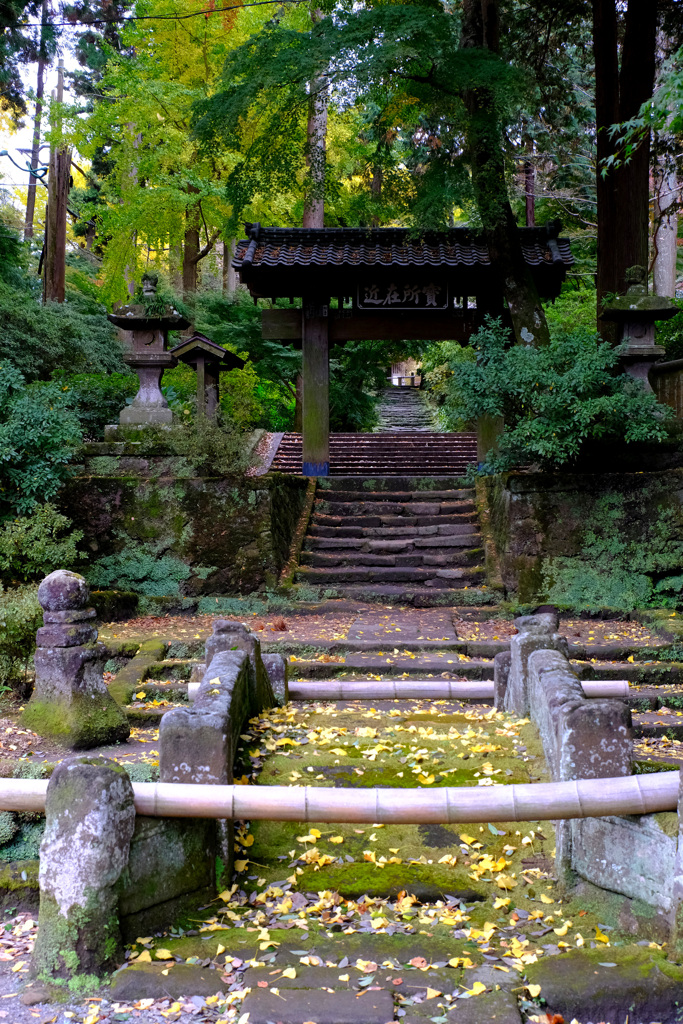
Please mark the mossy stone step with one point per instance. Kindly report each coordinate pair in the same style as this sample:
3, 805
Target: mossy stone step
167, 980
610, 984
303, 1006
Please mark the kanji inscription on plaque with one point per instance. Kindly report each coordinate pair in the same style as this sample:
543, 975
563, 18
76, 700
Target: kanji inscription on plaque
403, 295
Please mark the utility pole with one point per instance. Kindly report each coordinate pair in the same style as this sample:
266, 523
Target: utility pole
35, 151
59, 178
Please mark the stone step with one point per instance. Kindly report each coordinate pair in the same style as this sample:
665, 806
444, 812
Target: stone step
453, 494
358, 666
385, 508
392, 545
660, 673
439, 578
657, 723
416, 596
411, 557
464, 526
322, 519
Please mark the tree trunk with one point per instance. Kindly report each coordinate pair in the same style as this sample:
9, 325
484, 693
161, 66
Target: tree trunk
229, 272
316, 147
191, 247
59, 180
622, 193
35, 149
530, 189
665, 232
55, 226
512, 277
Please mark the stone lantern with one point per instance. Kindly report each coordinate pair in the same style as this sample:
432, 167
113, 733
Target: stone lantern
149, 356
635, 314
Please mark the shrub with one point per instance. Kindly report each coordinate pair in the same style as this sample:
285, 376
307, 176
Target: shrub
553, 399
97, 398
140, 568
34, 545
20, 617
38, 432
38, 339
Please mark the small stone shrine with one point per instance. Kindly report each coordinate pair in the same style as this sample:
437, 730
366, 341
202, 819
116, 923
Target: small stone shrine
635, 314
150, 356
70, 701
208, 359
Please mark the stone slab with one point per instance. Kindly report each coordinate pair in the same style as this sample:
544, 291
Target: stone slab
147, 981
496, 1007
640, 985
299, 1006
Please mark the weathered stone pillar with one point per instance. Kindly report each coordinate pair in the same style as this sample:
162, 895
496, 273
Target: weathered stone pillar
535, 633
90, 818
70, 702
316, 379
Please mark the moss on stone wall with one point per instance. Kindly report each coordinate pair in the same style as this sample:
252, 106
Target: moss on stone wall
157, 531
586, 541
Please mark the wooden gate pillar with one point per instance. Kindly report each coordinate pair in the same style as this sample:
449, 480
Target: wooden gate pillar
316, 381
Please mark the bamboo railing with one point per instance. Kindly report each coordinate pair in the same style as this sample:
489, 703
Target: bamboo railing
436, 689
584, 798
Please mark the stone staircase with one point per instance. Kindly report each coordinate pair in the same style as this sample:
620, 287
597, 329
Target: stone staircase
418, 453
419, 547
403, 408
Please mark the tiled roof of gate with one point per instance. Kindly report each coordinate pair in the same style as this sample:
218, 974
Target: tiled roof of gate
387, 247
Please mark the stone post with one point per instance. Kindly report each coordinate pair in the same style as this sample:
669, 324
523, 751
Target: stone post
70, 702
90, 818
535, 633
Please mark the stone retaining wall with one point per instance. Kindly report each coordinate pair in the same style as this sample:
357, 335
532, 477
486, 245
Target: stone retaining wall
586, 539
153, 525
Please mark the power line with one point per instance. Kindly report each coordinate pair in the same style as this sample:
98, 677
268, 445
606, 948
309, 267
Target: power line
160, 17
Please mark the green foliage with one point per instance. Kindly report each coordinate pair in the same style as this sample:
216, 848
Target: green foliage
212, 446
8, 827
574, 308
141, 568
34, 545
416, 46
620, 566
553, 399
38, 433
438, 363
38, 339
669, 333
20, 617
97, 398
26, 844
12, 256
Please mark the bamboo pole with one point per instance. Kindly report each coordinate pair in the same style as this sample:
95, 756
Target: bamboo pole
583, 798
436, 689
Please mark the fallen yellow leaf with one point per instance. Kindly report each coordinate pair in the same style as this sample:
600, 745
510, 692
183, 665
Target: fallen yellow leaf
432, 993
163, 954
546, 899
476, 989
141, 695
336, 839
534, 991
144, 957
600, 936
289, 972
